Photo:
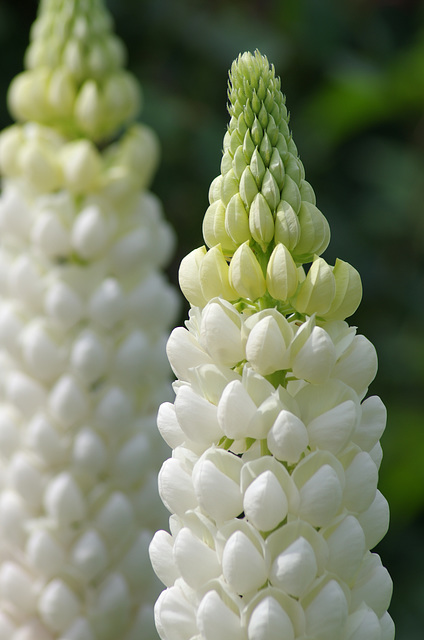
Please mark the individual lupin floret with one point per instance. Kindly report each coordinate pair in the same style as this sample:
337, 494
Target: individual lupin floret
272, 483
84, 317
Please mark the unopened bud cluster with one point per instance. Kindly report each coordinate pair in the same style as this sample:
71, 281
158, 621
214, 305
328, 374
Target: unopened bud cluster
74, 79
272, 483
84, 316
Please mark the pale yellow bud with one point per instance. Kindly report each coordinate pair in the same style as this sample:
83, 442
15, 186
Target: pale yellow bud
248, 187
40, 166
270, 190
314, 232
237, 220
307, 193
81, 165
348, 291
229, 187
189, 278
214, 276
27, 95
61, 92
11, 140
122, 99
261, 221
89, 109
245, 273
287, 227
291, 194
281, 274
215, 189
214, 231
318, 290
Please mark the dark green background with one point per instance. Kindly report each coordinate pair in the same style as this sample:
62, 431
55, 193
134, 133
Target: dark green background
353, 73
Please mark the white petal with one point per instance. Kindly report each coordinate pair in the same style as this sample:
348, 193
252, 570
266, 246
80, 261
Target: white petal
373, 586
265, 503
184, 353
266, 348
288, 437
361, 483
162, 558
197, 562
168, 425
269, 621
216, 621
217, 493
243, 566
326, 614
235, 410
372, 424
196, 416
320, 496
220, 333
387, 627
358, 365
363, 625
315, 360
295, 568
331, 430
175, 616
375, 520
346, 545
176, 487
64, 501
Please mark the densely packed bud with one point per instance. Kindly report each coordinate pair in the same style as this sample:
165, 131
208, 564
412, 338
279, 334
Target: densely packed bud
84, 315
74, 79
272, 483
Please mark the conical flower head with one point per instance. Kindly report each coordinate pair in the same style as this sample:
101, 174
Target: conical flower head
74, 79
272, 484
262, 202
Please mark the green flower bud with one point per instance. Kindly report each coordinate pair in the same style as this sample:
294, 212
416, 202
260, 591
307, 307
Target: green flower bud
314, 232
239, 162
215, 189
291, 194
281, 274
257, 167
276, 167
292, 168
306, 192
61, 93
348, 291
214, 228
237, 220
81, 165
214, 276
261, 221
287, 227
266, 149
189, 278
270, 190
229, 187
40, 166
318, 291
11, 140
248, 188
248, 146
245, 274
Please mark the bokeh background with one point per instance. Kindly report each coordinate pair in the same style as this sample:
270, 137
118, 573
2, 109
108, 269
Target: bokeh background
353, 74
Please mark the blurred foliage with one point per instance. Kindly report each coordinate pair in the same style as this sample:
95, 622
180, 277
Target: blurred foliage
353, 73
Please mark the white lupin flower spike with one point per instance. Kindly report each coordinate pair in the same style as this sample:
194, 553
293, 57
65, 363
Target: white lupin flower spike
84, 317
272, 484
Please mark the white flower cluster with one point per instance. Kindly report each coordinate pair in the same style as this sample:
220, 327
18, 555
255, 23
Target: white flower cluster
84, 316
272, 487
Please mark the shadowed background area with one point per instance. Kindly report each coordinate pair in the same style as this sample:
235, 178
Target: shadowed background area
353, 73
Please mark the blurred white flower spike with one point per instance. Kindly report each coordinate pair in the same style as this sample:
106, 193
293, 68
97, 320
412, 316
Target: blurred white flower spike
84, 316
272, 484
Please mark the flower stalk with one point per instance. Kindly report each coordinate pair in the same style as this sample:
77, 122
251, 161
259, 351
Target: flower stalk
84, 316
272, 483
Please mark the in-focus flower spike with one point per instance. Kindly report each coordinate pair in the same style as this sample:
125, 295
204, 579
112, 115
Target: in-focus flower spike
272, 484
84, 316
